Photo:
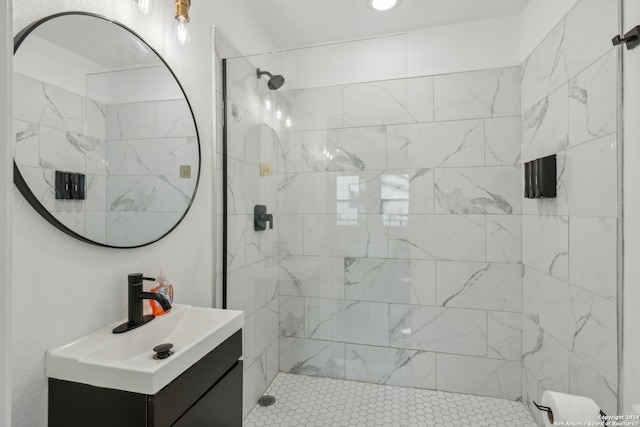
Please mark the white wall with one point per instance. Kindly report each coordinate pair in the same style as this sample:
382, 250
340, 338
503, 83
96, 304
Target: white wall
64, 288
630, 376
538, 19
6, 187
491, 43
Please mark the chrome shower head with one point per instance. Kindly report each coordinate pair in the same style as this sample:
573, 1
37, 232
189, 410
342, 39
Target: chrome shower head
275, 82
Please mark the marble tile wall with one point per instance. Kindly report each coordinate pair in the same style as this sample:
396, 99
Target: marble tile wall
145, 143
399, 212
569, 108
252, 256
128, 153
59, 130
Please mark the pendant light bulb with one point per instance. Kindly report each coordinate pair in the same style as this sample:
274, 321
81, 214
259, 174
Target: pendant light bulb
144, 7
181, 30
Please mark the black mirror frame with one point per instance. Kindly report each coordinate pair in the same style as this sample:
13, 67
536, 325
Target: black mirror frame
19, 180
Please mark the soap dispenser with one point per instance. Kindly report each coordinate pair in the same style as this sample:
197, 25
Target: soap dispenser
163, 287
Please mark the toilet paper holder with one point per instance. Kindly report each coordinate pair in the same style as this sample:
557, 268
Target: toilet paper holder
550, 413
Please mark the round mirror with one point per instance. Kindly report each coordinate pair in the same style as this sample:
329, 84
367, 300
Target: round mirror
107, 146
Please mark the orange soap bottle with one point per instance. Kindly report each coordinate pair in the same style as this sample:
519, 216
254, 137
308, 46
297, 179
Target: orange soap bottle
163, 287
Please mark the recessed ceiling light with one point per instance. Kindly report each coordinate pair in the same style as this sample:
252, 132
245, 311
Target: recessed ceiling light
383, 5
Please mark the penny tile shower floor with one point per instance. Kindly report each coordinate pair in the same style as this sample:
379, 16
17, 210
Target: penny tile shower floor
311, 401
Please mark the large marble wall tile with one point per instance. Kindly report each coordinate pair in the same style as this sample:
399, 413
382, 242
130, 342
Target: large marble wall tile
551, 62
260, 245
131, 193
174, 119
531, 391
355, 322
116, 157
476, 375
173, 193
236, 248
530, 291
62, 150
505, 335
420, 92
588, 30
545, 126
96, 193
407, 368
448, 330
247, 288
593, 264
95, 119
260, 329
27, 148
319, 108
254, 383
131, 121
236, 122
312, 276
41, 103
545, 357
292, 317
596, 340
477, 94
421, 191
390, 280
345, 235
95, 151
591, 178
545, 244
344, 149
289, 153
592, 101
290, 234
529, 81
504, 238
442, 144
155, 156
502, 141
584, 381
560, 314
273, 360
261, 144
375, 103
315, 193
439, 237
312, 357
488, 286
487, 190
243, 188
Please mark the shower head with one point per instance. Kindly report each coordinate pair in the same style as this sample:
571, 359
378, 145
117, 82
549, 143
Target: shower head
275, 82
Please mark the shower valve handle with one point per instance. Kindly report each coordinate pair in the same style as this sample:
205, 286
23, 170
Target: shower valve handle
261, 217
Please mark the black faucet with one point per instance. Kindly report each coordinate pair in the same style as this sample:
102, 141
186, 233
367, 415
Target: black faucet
135, 297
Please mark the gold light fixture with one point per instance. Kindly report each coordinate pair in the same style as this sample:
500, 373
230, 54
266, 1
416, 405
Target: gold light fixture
181, 30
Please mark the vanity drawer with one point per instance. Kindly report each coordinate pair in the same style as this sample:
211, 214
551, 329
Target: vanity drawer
165, 407
221, 406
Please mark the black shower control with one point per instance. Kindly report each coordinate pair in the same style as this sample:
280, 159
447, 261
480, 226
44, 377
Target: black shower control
540, 178
261, 217
70, 186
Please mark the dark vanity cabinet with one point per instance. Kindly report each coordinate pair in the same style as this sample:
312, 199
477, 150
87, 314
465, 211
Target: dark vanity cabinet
207, 394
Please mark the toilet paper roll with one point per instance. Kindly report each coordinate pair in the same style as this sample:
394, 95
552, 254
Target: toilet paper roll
569, 407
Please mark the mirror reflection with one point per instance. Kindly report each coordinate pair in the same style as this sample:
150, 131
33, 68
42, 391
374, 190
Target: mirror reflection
105, 139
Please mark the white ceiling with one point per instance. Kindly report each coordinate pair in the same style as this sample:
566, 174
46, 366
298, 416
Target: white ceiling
296, 23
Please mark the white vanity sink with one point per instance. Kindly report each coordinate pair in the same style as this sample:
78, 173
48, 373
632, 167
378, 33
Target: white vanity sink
125, 361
